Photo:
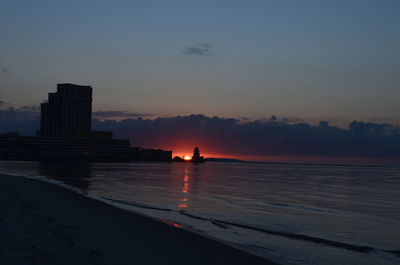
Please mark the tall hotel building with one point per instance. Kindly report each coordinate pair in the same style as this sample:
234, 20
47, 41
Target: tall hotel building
65, 134
68, 112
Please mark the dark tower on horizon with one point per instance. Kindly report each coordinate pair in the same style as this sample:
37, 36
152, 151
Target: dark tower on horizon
68, 112
196, 155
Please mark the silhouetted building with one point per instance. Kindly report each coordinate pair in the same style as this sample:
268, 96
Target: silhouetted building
44, 148
102, 146
68, 112
13, 146
16, 147
196, 155
141, 154
65, 134
178, 159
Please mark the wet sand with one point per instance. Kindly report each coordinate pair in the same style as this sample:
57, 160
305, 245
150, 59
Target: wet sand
41, 223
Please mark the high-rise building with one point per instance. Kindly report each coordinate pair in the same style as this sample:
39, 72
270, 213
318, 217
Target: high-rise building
68, 112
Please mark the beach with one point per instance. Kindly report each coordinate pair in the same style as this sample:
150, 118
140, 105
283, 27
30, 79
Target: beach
42, 223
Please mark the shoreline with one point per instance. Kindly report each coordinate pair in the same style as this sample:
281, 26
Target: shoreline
48, 224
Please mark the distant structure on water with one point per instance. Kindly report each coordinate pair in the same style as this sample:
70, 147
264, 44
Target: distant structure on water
65, 134
196, 156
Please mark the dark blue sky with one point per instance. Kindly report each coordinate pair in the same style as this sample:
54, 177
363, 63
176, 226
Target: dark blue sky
310, 60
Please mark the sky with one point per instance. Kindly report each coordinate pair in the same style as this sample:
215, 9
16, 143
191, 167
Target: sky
249, 70
307, 60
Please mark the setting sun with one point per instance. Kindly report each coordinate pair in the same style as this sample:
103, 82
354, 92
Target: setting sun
187, 158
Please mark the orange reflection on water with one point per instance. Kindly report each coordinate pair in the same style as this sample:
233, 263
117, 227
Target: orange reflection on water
185, 190
185, 187
183, 206
177, 225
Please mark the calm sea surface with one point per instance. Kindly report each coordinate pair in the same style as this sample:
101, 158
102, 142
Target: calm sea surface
292, 214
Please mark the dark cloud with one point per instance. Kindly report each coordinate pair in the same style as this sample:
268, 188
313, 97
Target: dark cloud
9, 112
323, 124
23, 119
199, 49
382, 119
240, 137
4, 70
118, 115
276, 137
275, 119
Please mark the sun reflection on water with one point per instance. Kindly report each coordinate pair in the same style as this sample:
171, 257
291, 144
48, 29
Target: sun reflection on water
183, 203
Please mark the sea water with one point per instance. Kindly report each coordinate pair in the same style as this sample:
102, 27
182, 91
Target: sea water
291, 214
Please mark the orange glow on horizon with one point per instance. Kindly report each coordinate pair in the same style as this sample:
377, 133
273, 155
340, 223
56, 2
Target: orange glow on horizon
187, 158
183, 147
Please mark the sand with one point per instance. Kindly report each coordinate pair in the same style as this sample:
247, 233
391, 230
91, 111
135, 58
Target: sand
41, 223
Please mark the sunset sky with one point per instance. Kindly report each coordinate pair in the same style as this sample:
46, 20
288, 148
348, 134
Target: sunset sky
308, 60
263, 68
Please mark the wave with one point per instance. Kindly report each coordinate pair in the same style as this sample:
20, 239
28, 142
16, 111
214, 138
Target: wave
294, 207
136, 204
324, 241
225, 225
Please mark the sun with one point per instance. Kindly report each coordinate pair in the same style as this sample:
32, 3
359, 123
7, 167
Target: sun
187, 158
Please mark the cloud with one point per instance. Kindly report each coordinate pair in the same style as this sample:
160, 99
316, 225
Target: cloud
241, 137
25, 119
8, 111
4, 70
118, 115
261, 138
199, 49
388, 119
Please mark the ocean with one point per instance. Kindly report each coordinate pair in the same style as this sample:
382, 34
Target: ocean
287, 213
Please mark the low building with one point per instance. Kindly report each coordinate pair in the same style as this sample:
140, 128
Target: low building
48, 148
99, 147
102, 146
142, 154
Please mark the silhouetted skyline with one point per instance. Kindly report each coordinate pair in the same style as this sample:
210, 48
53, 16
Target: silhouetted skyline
260, 79
65, 134
269, 140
